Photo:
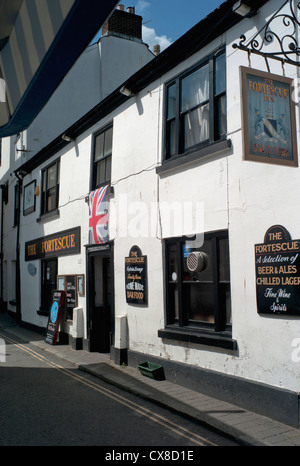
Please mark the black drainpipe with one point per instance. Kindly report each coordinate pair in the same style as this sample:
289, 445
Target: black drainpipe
18, 269
3, 201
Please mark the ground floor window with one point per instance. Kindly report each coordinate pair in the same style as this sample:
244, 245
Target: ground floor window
198, 283
48, 281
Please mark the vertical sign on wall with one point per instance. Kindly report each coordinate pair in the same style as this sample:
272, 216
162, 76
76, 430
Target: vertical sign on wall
269, 118
277, 263
136, 277
57, 306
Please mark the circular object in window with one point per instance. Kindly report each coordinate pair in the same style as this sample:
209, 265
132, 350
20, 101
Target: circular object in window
197, 261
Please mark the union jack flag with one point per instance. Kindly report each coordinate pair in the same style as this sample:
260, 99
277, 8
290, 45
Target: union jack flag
98, 216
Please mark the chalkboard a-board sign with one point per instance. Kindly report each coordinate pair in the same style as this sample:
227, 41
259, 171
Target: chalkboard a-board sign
58, 303
277, 263
136, 277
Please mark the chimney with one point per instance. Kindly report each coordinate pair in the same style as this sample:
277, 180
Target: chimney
156, 49
124, 23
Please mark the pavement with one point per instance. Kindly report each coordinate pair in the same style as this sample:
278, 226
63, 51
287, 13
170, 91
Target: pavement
244, 427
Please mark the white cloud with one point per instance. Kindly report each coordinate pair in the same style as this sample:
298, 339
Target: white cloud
151, 38
141, 6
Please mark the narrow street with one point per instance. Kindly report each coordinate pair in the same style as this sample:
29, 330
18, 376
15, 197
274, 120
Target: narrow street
45, 401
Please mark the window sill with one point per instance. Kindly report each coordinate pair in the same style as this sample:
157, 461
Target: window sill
48, 216
185, 159
219, 340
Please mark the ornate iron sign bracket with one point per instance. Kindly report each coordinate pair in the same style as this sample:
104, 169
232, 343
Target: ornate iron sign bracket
285, 42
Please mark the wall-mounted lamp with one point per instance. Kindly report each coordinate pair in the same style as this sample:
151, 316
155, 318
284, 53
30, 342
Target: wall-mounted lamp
66, 138
243, 10
126, 91
23, 150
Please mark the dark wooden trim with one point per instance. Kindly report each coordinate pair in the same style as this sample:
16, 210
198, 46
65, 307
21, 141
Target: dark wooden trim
218, 340
182, 160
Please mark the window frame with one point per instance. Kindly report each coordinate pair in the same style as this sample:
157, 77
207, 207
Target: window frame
44, 195
213, 100
218, 333
107, 157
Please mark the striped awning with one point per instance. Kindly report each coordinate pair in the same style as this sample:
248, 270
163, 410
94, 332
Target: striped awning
40, 40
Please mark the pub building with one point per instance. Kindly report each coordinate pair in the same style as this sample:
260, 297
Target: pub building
168, 216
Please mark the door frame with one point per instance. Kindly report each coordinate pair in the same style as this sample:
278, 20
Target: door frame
92, 251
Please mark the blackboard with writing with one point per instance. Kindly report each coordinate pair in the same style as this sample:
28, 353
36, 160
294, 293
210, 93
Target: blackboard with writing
71, 294
136, 277
57, 306
277, 263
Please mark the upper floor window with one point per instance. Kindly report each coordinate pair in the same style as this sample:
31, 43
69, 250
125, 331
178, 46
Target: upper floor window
50, 188
102, 157
196, 106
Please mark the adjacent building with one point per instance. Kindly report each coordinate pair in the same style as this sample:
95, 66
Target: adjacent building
167, 212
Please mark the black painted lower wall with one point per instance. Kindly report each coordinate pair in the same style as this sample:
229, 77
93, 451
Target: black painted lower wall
278, 404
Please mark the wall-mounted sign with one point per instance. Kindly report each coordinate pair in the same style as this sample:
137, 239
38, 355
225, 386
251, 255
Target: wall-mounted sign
29, 198
64, 242
57, 306
268, 118
277, 263
136, 277
31, 269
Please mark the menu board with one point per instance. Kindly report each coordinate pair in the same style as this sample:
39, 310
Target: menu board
136, 277
277, 263
71, 295
58, 302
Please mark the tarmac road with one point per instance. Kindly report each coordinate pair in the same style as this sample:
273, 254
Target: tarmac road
46, 402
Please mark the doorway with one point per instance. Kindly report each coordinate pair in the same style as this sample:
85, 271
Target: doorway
100, 302
48, 282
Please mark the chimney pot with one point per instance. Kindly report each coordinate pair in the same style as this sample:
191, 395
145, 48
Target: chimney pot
131, 9
156, 49
120, 7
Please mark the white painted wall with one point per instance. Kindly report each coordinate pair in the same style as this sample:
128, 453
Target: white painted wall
102, 67
99, 70
246, 196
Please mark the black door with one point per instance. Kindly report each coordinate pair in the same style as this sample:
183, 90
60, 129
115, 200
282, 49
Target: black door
48, 285
101, 307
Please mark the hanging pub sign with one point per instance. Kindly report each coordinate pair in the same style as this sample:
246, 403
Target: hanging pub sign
57, 306
277, 263
268, 118
136, 277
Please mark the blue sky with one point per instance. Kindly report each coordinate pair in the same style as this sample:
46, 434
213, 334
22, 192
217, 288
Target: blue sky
164, 21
